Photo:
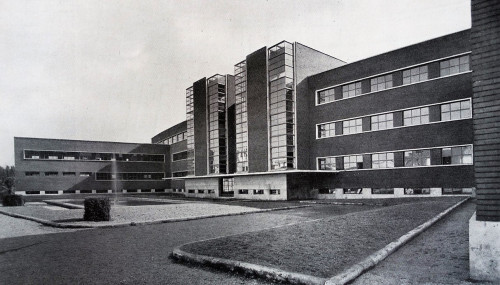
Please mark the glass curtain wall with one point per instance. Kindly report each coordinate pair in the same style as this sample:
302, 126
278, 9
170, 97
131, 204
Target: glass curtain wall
190, 130
240, 74
217, 158
281, 106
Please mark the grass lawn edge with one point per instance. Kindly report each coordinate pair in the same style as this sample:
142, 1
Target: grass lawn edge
275, 274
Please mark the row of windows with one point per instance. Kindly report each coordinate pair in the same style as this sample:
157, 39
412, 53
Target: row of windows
259, 191
411, 75
174, 139
390, 191
55, 173
412, 117
129, 176
412, 158
96, 156
201, 191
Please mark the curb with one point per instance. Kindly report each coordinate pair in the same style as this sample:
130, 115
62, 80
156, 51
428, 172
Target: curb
279, 275
63, 204
342, 203
59, 225
356, 270
45, 222
248, 269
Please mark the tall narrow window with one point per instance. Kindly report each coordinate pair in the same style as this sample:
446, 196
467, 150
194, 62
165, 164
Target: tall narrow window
240, 77
189, 131
217, 158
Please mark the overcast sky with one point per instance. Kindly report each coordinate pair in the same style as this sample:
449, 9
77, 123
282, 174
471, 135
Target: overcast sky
118, 70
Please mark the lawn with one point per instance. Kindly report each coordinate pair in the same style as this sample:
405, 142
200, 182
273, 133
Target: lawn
326, 247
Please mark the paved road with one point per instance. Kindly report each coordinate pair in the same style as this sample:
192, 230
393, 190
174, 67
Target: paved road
439, 255
134, 255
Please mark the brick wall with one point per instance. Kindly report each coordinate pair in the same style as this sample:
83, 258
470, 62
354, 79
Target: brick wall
485, 39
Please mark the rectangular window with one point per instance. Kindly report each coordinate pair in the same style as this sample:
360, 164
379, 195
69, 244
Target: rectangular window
353, 190
353, 162
351, 90
456, 111
179, 156
326, 191
454, 65
376, 191
243, 191
416, 74
200, 191
211, 191
457, 155
191, 191
416, 116
417, 158
326, 96
326, 163
69, 173
417, 191
274, 191
326, 130
179, 174
32, 173
381, 82
382, 122
455, 191
85, 174
51, 173
352, 126
258, 191
383, 160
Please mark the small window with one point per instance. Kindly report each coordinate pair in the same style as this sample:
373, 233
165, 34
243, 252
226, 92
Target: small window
51, 173
32, 173
415, 75
327, 163
456, 111
258, 191
326, 96
353, 162
326, 191
201, 191
243, 191
417, 191
456, 191
69, 173
383, 160
351, 90
417, 158
274, 191
382, 122
416, 116
454, 65
381, 83
352, 126
353, 191
457, 155
326, 130
377, 191
190, 190
210, 191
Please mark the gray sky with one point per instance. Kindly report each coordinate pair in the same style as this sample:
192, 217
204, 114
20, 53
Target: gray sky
118, 70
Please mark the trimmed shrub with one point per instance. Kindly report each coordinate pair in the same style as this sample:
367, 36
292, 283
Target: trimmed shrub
97, 209
13, 200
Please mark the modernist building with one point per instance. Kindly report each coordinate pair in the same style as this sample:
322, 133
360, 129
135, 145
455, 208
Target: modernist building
296, 123
54, 166
293, 123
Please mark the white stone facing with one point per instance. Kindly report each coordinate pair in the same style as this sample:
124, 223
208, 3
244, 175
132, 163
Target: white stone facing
484, 250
